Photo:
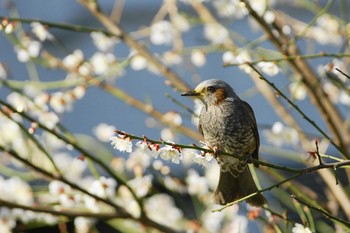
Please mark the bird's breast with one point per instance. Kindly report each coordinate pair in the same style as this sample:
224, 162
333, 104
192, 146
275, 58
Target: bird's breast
225, 127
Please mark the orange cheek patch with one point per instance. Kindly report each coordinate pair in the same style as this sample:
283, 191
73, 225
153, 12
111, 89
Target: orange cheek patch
220, 95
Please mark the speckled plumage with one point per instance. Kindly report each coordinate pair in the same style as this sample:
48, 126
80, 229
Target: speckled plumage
228, 124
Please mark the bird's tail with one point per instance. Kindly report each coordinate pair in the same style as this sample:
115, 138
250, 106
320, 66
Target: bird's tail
232, 188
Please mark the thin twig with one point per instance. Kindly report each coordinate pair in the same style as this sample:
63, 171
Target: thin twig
301, 68
181, 104
49, 175
255, 161
120, 210
322, 211
66, 213
78, 148
272, 212
260, 191
346, 75
308, 119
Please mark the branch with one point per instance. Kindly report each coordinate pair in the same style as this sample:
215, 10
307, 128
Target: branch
255, 161
296, 57
175, 80
260, 191
120, 211
322, 211
64, 26
328, 111
49, 175
308, 119
66, 213
78, 148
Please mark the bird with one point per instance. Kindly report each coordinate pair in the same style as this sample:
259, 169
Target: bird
228, 125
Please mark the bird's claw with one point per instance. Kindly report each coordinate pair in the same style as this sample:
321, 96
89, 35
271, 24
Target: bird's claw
216, 151
248, 159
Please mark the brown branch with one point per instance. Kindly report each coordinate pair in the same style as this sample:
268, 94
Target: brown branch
255, 161
128, 99
175, 80
66, 213
328, 111
121, 212
322, 211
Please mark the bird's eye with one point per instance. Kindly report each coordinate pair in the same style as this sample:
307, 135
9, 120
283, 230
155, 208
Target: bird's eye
211, 89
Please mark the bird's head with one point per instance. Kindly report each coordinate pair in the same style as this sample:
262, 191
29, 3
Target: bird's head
212, 92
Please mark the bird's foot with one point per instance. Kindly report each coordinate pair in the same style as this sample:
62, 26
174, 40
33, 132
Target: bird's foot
216, 151
247, 159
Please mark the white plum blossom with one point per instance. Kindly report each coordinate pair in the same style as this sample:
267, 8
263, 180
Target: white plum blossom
141, 185
333, 67
41, 32
213, 220
27, 49
170, 153
169, 58
241, 57
64, 194
167, 134
215, 33
104, 132
325, 26
281, 134
162, 33
103, 187
101, 62
16, 190
85, 69
269, 17
122, 144
73, 60
57, 187
6, 26
228, 58
344, 98
239, 224
72, 168
102, 41
198, 57
203, 160
18, 101
173, 118
83, 224
138, 62
297, 90
49, 119
180, 23
268, 68
7, 221
230, 8
61, 101
127, 200
161, 208
138, 159
299, 228
197, 185
10, 132
78, 92
143, 145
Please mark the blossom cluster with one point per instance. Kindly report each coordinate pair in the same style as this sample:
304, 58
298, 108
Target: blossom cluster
168, 152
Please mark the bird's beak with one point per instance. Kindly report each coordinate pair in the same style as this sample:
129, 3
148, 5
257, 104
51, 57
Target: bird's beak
190, 93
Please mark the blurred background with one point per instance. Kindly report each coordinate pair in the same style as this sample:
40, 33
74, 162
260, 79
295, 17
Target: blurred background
319, 28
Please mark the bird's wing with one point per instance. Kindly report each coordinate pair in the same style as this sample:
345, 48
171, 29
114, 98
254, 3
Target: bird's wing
254, 127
